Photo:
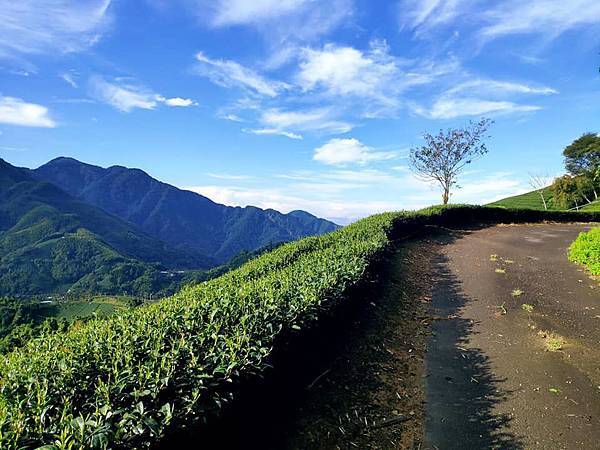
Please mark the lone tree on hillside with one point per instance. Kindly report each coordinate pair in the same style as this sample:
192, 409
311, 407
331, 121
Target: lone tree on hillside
446, 154
540, 183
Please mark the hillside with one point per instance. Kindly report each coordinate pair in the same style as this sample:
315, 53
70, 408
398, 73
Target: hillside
530, 200
181, 218
50, 241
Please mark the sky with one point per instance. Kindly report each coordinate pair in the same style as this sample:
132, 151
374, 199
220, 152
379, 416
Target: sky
299, 104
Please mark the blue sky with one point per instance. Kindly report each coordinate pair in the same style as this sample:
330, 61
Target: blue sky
290, 104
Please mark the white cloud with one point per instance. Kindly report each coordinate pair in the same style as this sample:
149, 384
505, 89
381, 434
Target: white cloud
273, 132
126, 96
450, 107
46, 26
346, 71
372, 82
15, 111
229, 74
320, 119
348, 151
178, 101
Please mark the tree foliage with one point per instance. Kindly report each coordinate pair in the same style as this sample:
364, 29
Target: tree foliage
582, 156
446, 154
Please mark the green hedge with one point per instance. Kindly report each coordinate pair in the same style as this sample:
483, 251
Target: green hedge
127, 380
585, 250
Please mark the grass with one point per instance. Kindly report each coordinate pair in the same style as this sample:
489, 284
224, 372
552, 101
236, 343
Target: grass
71, 309
498, 270
516, 292
585, 250
127, 380
530, 200
553, 342
527, 307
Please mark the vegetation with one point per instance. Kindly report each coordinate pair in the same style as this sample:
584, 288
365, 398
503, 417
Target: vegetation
585, 250
530, 200
127, 380
185, 220
52, 243
445, 155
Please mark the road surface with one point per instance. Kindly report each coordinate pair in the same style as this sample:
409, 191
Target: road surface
501, 374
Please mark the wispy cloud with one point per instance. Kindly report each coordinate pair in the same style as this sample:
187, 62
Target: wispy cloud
243, 12
125, 95
451, 107
348, 151
15, 111
320, 120
69, 78
44, 26
227, 73
284, 24
273, 132
478, 96
549, 18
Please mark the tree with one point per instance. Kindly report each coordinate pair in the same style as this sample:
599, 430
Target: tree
565, 192
446, 154
540, 182
582, 158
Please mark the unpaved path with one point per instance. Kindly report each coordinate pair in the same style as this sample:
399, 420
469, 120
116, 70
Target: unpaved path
495, 375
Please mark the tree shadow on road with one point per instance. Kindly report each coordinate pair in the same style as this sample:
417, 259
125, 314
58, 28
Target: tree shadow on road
462, 390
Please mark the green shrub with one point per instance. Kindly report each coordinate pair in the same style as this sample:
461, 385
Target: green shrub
126, 380
585, 250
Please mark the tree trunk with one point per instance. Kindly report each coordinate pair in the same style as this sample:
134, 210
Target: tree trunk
446, 196
544, 201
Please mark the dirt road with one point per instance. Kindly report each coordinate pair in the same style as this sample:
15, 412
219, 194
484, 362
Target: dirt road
513, 360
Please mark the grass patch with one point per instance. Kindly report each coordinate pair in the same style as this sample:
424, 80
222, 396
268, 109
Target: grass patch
516, 292
585, 250
498, 270
552, 341
527, 307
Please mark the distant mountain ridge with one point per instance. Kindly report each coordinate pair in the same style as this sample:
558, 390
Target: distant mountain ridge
183, 219
51, 241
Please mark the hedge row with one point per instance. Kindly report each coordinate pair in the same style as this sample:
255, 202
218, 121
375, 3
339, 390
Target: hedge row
125, 381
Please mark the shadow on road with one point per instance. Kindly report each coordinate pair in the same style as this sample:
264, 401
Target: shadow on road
461, 388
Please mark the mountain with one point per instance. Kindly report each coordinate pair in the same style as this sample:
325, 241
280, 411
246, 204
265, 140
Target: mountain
184, 219
51, 241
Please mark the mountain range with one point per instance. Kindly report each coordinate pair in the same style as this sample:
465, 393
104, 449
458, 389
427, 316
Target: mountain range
69, 225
